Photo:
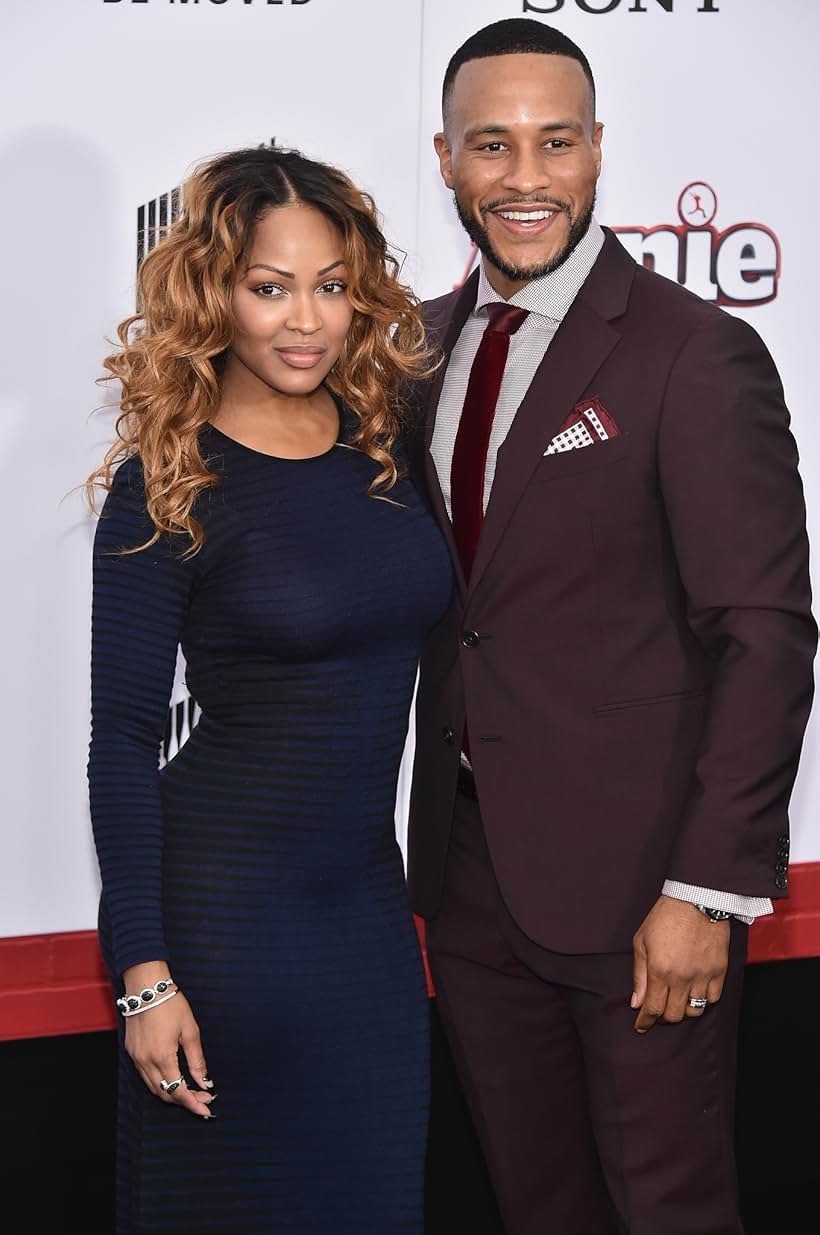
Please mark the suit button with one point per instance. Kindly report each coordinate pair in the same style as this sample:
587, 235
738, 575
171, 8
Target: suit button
782, 869
780, 881
449, 736
470, 639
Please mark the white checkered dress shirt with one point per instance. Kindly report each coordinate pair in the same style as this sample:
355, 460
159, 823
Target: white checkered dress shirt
548, 300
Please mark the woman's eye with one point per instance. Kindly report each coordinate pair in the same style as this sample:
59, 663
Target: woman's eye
268, 290
334, 286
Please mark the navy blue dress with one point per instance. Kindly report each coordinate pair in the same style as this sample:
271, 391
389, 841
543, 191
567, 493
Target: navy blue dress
261, 861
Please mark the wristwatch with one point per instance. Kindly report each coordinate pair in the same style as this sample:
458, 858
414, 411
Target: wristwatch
715, 915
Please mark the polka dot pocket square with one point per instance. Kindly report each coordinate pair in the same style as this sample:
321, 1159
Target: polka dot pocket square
587, 424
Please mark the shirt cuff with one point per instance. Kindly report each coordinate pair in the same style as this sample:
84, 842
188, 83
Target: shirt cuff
746, 908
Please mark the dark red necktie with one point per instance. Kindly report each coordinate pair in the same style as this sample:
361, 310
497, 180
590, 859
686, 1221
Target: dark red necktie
473, 437
475, 426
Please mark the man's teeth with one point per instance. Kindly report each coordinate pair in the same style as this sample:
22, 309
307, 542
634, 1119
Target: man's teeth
526, 216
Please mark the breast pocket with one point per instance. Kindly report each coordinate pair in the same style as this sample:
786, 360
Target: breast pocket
582, 459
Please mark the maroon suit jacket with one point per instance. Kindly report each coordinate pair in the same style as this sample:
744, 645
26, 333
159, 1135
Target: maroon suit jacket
641, 679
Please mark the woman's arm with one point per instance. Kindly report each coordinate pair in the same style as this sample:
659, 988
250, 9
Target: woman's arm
139, 605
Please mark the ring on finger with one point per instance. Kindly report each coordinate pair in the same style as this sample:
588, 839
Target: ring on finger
697, 1002
170, 1086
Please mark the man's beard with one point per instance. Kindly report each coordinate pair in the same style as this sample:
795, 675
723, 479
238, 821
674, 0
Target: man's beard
477, 232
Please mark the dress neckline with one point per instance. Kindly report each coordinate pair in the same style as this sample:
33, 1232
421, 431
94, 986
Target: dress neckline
346, 419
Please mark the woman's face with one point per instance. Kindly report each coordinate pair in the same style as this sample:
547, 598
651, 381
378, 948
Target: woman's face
290, 305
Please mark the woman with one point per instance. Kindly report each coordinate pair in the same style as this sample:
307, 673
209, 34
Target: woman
254, 915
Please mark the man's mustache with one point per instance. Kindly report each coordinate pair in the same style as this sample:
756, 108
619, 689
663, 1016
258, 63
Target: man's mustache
538, 200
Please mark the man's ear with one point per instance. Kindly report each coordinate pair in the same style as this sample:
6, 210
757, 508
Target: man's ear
597, 135
445, 158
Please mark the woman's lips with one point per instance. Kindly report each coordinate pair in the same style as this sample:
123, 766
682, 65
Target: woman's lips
301, 358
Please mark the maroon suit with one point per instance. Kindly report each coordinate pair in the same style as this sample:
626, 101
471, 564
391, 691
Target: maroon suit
634, 657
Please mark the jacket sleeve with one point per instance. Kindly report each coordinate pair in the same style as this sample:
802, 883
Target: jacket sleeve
139, 605
734, 501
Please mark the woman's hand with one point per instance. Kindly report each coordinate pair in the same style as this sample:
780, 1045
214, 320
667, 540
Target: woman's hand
153, 1037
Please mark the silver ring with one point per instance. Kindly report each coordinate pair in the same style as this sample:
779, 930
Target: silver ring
698, 1003
170, 1086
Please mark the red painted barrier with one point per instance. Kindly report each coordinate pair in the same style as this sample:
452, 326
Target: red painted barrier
56, 984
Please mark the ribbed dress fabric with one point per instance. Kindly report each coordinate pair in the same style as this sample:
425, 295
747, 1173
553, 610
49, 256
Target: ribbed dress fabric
261, 861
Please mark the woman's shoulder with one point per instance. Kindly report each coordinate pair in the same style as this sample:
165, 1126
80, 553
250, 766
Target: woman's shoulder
127, 486
125, 521
126, 489
128, 478
124, 518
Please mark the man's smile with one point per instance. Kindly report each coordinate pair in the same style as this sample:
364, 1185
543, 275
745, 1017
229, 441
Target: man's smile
523, 221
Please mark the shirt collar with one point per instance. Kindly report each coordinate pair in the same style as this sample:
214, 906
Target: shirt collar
552, 294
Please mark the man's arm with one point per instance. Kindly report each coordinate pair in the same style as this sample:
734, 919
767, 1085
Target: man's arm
734, 503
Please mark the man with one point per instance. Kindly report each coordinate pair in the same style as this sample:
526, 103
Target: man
610, 716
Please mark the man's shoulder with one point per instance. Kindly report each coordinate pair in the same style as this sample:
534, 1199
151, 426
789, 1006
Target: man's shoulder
438, 313
441, 304
672, 321
676, 310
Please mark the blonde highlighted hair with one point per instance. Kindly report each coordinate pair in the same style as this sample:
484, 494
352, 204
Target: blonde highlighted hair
173, 349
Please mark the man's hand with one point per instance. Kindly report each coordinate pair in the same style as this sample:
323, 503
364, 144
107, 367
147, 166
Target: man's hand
678, 954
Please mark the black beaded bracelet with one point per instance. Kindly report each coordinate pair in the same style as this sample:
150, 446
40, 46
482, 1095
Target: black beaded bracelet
128, 1004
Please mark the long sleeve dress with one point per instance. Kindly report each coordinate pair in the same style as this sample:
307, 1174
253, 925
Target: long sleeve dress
261, 861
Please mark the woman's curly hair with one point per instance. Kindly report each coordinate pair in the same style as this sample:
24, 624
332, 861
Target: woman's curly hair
172, 351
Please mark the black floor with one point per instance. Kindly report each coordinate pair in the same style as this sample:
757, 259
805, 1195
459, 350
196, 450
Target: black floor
57, 1112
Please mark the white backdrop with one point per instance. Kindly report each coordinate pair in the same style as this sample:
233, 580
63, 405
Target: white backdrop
106, 103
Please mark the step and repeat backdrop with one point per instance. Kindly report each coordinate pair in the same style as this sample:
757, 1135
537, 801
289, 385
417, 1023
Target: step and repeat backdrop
709, 174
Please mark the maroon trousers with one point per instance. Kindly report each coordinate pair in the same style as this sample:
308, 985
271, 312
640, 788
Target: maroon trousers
588, 1128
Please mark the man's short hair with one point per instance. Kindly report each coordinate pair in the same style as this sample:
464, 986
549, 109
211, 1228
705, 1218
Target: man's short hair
514, 36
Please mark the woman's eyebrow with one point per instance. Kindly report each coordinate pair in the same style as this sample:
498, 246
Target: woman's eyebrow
286, 274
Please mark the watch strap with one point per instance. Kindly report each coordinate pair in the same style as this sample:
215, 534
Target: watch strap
715, 915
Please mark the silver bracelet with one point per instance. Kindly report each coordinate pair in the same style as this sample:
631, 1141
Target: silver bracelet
129, 1004
146, 1007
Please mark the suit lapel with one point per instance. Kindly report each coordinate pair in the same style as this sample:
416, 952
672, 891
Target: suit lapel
581, 345
445, 333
